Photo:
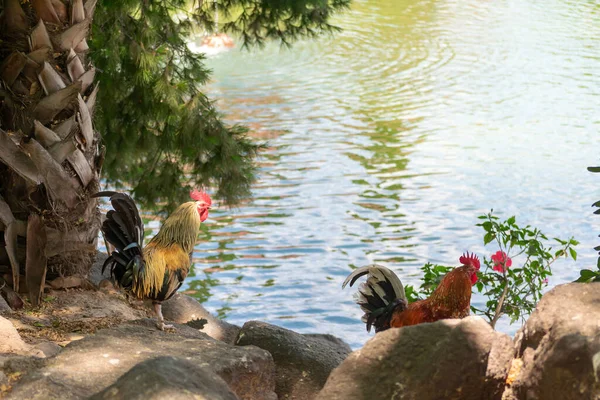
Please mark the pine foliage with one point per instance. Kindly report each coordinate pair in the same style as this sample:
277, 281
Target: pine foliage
163, 135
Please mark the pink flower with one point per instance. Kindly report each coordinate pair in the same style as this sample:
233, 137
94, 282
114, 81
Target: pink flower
545, 281
501, 261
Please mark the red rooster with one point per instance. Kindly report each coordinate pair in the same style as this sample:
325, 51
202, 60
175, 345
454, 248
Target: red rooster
157, 270
384, 302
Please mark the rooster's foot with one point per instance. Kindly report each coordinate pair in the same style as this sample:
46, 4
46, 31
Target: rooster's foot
162, 326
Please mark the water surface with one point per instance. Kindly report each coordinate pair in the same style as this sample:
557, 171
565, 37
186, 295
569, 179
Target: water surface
390, 138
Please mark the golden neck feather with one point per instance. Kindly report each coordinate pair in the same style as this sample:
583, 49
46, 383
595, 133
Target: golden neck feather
181, 227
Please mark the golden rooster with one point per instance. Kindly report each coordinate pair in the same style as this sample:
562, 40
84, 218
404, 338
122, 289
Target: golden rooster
384, 302
157, 270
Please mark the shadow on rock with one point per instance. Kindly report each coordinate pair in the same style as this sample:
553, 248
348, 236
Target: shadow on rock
558, 347
302, 362
183, 309
450, 359
90, 365
167, 378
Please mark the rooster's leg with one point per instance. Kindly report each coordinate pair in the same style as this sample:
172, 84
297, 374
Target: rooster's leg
160, 321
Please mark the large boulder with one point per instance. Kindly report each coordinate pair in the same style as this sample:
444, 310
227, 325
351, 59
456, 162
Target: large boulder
167, 378
10, 340
558, 349
450, 359
302, 362
182, 309
90, 365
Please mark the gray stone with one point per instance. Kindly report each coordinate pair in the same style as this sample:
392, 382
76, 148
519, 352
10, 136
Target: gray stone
302, 362
89, 365
4, 307
45, 349
95, 274
183, 309
330, 339
167, 378
558, 349
20, 365
449, 359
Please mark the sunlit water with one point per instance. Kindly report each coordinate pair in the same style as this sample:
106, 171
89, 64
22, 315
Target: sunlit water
390, 138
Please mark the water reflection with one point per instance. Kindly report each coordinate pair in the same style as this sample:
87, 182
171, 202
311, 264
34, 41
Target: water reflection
388, 140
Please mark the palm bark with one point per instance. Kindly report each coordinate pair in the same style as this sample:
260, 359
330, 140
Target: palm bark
50, 155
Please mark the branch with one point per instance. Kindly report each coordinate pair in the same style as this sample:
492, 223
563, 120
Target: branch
498, 311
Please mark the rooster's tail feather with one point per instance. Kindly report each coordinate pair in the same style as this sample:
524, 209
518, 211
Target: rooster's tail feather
123, 228
379, 296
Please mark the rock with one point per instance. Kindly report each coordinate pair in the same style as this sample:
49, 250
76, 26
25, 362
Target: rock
330, 338
167, 378
20, 365
70, 282
91, 364
107, 286
45, 349
302, 362
11, 297
3, 358
4, 307
95, 274
559, 347
182, 309
10, 340
449, 359
85, 305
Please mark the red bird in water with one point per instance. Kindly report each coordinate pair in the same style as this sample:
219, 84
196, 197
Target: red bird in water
384, 302
157, 270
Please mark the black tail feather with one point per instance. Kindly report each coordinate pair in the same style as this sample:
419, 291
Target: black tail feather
123, 228
379, 296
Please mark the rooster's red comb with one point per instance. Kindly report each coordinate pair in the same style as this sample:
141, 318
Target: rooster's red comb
471, 259
197, 195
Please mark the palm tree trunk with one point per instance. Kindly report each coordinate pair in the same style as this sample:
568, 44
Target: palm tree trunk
50, 155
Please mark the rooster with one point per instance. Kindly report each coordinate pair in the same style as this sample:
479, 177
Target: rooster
157, 270
384, 302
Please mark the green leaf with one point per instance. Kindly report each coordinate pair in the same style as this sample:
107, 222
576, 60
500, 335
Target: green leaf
594, 169
479, 286
573, 253
487, 225
559, 253
511, 220
585, 275
488, 238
